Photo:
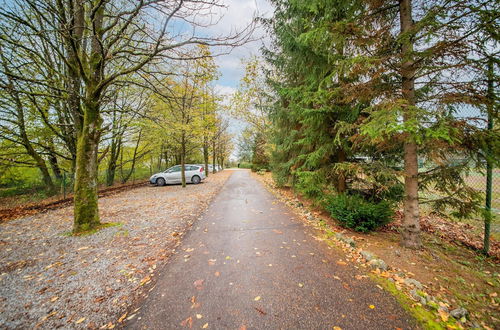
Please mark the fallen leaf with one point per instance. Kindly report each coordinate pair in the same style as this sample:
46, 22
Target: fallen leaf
257, 298
199, 284
228, 258
337, 328
372, 306
84, 248
54, 299
194, 304
341, 263
277, 231
199, 316
217, 274
48, 315
80, 320
187, 322
205, 326
443, 314
301, 285
145, 280
120, 320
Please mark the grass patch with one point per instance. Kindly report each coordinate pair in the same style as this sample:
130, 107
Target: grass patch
426, 318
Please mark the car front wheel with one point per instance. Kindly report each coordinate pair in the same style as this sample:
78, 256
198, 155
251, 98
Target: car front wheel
160, 181
195, 179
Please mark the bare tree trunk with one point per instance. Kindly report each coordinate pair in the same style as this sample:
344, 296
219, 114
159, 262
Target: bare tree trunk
116, 144
341, 181
134, 159
86, 208
411, 225
113, 158
214, 156
54, 164
205, 153
183, 160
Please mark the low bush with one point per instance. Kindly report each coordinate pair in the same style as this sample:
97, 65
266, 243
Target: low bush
310, 183
245, 165
354, 212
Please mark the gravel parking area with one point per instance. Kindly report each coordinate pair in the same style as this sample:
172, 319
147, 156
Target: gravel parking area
49, 279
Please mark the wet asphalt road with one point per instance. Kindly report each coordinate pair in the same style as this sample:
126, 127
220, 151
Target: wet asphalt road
249, 263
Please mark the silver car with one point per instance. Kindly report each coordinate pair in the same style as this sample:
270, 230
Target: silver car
194, 174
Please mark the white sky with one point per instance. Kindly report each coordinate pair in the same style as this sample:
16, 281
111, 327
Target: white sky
239, 13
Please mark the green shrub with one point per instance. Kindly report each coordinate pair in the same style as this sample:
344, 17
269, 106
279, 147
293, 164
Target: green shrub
258, 168
353, 211
310, 183
245, 165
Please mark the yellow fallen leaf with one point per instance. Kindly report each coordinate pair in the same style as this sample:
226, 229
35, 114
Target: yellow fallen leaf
257, 298
120, 320
444, 316
48, 315
301, 285
54, 298
145, 280
337, 328
199, 316
84, 248
80, 320
341, 263
205, 326
372, 306
228, 258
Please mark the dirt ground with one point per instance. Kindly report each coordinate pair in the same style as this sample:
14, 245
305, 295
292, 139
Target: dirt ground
448, 269
50, 279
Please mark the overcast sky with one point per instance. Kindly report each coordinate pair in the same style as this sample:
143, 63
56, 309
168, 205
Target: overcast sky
237, 15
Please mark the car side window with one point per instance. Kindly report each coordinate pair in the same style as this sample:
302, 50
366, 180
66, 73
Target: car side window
175, 169
193, 168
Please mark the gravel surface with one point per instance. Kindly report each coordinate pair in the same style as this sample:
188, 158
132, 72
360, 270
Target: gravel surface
49, 279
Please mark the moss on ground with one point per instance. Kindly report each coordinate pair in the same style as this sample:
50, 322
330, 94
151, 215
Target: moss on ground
93, 230
426, 318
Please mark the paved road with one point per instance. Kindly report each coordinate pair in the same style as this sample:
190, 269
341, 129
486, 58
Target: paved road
250, 264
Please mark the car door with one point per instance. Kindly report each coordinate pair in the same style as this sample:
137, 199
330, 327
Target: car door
189, 172
173, 174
